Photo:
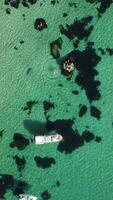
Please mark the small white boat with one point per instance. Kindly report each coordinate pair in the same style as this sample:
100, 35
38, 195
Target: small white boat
27, 197
48, 139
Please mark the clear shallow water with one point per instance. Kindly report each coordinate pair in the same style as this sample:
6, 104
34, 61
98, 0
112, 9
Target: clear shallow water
86, 173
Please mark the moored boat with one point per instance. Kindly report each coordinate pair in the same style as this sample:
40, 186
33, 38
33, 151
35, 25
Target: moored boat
48, 139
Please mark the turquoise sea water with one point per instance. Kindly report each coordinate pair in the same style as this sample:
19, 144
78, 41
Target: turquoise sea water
86, 173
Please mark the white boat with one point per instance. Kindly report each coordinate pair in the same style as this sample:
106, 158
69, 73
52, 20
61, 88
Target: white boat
48, 139
27, 197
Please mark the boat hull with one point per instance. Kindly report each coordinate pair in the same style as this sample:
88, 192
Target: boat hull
48, 139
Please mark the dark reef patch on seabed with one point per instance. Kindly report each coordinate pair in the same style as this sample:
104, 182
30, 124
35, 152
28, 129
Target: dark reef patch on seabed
16, 3
55, 46
78, 29
103, 5
20, 162
45, 162
29, 106
102, 51
86, 61
110, 51
8, 182
98, 139
19, 141
83, 110
53, 2
76, 43
95, 112
72, 140
88, 136
58, 183
1, 133
75, 92
29, 70
65, 14
47, 105
72, 4
40, 24
8, 11
20, 187
45, 195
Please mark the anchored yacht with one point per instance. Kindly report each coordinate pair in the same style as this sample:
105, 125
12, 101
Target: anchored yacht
48, 139
27, 197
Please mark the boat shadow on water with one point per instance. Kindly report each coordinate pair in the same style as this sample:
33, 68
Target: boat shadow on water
35, 127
